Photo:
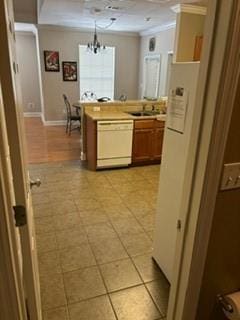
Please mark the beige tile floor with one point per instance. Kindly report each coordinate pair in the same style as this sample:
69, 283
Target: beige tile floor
94, 238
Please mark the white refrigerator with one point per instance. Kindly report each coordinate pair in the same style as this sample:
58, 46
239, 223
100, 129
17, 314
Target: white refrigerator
178, 131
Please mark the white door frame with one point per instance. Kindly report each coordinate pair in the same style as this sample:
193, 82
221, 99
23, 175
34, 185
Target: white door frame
12, 299
11, 293
210, 140
216, 92
11, 93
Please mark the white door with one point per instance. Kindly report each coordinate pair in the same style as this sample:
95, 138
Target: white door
14, 117
11, 271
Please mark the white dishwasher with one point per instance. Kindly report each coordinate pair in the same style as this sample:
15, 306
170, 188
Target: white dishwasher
114, 143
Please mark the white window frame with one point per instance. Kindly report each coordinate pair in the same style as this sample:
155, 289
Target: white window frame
114, 68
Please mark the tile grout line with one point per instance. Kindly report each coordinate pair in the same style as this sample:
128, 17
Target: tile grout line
103, 280
62, 273
138, 271
121, 197
64, 284
117, 234
108, 293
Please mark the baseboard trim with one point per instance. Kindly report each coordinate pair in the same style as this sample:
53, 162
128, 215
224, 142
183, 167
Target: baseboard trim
83, 156
54, 123
43, 118
32, 114
45, 122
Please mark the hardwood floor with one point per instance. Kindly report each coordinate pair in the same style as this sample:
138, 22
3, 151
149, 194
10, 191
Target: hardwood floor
50, 143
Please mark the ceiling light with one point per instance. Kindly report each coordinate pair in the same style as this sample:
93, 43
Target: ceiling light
95, 46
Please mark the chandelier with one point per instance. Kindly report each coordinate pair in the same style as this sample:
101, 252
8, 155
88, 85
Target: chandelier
95, 46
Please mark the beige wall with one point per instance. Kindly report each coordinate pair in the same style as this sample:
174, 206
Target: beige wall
28, 68
189, 26
164, 44
66, 41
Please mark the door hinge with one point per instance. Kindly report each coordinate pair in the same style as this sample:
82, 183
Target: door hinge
10, 27
20, 216
14, 67
179, 224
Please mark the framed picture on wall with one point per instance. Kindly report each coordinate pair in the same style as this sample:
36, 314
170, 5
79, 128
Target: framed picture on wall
51, 61
152, 44
69, 69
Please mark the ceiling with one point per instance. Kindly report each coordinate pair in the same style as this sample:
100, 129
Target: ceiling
131, 15
25, 11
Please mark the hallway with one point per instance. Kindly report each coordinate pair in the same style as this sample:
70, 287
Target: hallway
94, 238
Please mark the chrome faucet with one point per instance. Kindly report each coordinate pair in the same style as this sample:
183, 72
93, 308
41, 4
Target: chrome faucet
123, 97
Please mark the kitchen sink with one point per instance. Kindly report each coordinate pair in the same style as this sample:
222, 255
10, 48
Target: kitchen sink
144, 113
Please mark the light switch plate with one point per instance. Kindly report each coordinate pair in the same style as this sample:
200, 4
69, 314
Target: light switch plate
231, 176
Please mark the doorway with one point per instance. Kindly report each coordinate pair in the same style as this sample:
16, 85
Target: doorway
97, 227
56, 172
46, 140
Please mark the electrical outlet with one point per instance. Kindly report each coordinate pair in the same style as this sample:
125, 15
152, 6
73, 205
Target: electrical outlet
64, 111
231, 176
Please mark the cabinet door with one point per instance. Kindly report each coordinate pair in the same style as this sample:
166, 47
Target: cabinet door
142, 145
158, 143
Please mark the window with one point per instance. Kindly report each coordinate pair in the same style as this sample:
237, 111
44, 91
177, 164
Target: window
97, 71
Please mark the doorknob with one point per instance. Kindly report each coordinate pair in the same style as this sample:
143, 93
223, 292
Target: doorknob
35, 183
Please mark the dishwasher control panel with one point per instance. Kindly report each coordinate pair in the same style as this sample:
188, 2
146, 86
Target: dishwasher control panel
115, 125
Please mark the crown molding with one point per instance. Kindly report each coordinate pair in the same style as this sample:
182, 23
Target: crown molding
188, 8
25, 33
155, 30
85, 30
25, 28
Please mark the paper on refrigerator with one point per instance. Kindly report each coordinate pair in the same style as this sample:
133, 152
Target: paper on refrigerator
177, 109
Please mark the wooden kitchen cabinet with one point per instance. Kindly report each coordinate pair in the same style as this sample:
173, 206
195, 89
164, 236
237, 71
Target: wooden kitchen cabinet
158, 143
142, 145
147, 141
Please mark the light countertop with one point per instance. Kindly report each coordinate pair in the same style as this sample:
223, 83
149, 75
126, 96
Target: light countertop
119, 115
120, 103
108, 115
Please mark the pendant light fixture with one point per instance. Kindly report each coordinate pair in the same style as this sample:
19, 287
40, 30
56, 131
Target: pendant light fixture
96, 46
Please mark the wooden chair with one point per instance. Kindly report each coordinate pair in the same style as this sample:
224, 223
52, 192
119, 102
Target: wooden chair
70, 117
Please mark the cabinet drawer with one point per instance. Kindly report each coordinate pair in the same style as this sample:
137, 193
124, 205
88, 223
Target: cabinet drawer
143, 124
159, 124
